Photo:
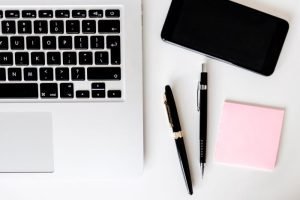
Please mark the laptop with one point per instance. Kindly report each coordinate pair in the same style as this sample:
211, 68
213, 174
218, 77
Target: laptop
71, 92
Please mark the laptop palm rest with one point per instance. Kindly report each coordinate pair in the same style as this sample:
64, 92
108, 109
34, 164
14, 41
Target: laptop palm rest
26, 143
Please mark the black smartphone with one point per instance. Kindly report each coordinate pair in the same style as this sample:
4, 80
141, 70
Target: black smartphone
228, 31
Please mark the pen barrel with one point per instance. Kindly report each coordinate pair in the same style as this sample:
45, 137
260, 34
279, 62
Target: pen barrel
184, 163
203, 125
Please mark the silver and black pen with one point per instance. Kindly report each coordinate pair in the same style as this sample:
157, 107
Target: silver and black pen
202, 109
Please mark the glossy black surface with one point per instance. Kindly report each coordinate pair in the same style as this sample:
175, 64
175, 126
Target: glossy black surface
184, 163
172, 110
175, 124
228, 31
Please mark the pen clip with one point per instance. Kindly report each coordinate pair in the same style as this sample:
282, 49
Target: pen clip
168, 111
198, 96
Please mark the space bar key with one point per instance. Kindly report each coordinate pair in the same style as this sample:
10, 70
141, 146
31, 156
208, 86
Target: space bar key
18, 90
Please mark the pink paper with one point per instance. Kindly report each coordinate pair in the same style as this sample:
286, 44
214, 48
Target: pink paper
249, 135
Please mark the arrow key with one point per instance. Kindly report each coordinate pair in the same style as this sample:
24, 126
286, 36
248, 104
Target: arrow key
83, 94
114, 93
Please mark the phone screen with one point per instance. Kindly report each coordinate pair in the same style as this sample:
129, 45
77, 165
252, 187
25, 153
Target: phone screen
228, 31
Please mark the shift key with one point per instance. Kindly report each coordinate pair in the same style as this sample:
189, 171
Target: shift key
18, 90
104, 73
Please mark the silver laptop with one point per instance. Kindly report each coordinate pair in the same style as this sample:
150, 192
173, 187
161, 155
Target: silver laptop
71, 87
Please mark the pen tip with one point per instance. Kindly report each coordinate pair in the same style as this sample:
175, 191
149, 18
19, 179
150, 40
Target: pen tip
190, 190
204, 67
202, 171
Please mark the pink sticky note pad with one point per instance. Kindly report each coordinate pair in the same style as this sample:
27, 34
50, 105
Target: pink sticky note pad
249, 135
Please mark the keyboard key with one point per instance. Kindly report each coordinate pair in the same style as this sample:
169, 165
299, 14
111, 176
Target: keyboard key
45, 13
72, 26
62, 13
17, 43
83, 94
65, 42
114, 94
2, 74
22, 58
85, 58
1, 14
112, 13
78, 74
33, 43
109, 26
46, 74
66, 90
49, 90
115, 56
14, 74
30, 74
29, 14
12, 14
49, 42
114, 44
40, 27
98, 86
104, 73
79, 13
18, 90
98, 93
62, 74
56, 27
8, 27
96, 13
69, 58
37, 58
101, 58
6, 59
97, 42
24, 27
53, 58
81, 42
88, 26
3, 43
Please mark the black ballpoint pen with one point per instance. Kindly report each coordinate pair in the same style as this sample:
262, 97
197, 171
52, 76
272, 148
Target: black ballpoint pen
202, 109
178, 136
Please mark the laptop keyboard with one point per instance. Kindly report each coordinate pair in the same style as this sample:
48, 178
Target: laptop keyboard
57, 54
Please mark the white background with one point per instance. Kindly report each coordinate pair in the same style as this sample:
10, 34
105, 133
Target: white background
162, 178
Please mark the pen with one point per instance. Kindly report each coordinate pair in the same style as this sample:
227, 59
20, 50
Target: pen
202, 109
178, 136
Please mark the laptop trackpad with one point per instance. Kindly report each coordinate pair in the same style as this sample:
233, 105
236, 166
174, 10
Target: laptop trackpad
26, 143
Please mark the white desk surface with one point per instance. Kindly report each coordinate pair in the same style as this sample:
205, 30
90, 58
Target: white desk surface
162, 178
